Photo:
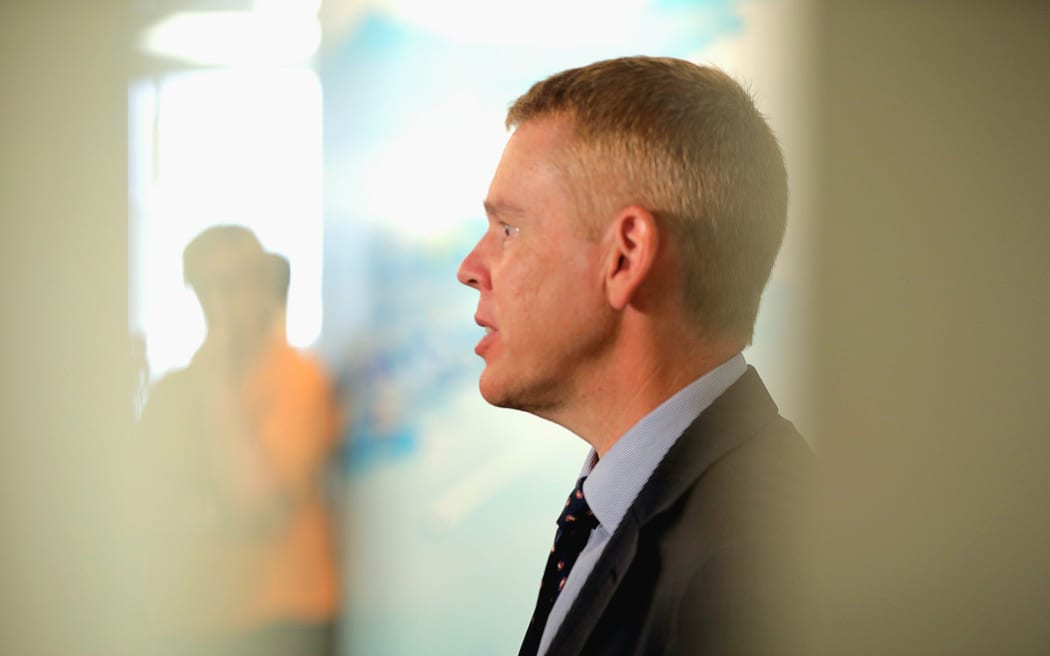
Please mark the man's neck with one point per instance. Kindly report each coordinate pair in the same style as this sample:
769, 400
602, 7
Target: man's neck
618, 393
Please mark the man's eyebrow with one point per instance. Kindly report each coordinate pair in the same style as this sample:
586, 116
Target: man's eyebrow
498, 209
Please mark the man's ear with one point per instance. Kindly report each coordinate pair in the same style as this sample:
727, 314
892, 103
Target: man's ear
632, 242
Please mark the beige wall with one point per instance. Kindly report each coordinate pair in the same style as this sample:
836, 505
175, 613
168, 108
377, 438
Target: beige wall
67, 556
933, 365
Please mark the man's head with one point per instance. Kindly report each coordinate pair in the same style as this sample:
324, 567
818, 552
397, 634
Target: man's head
687, 143
646, 184
232, 277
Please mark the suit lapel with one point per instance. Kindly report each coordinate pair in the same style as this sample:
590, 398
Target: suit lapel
734, 417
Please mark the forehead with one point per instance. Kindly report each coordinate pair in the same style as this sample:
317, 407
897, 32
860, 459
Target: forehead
532, 162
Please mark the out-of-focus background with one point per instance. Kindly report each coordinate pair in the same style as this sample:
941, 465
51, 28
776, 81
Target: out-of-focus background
903, 329
363, 156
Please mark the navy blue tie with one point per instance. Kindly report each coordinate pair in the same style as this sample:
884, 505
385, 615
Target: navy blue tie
574, 529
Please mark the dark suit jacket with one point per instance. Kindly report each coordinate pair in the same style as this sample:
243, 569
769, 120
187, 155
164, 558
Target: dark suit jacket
704, 562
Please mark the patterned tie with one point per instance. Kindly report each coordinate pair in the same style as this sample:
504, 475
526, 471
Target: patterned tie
574, 528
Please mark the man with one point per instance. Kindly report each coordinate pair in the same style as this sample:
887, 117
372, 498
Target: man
246, 430
633, 222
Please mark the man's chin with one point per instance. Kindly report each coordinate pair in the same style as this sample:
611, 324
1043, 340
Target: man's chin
512, 397
495, 394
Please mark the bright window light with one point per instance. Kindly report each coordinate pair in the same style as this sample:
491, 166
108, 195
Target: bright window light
267, 36
238, 146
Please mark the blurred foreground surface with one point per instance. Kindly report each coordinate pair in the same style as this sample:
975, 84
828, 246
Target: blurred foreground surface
929, 354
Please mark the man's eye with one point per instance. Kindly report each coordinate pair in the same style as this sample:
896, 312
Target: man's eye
508, 230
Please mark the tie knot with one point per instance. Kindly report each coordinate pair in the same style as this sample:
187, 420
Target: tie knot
577, 514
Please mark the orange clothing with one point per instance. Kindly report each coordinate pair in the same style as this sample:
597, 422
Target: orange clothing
290, 400
253, 535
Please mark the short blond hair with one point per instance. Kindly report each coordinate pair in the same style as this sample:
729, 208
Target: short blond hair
687, 143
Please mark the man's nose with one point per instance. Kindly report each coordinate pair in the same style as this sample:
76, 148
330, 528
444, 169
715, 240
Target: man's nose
472, 270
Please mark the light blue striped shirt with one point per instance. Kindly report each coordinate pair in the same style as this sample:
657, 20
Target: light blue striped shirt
613, 482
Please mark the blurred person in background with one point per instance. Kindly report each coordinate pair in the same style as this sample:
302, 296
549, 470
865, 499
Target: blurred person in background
634, 219
245, 431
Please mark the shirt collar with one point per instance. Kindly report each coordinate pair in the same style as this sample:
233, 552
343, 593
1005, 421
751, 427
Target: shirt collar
614, 481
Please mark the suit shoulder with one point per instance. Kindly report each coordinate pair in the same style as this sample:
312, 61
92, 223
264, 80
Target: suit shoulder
755, 493
743, 570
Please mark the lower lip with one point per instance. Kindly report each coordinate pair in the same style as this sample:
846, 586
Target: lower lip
484, 344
